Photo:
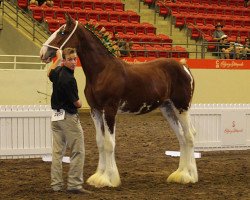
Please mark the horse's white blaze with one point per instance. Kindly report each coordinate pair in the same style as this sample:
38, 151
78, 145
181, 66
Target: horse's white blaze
45, 45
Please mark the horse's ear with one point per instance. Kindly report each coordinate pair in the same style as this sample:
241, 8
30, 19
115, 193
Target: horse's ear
68, 18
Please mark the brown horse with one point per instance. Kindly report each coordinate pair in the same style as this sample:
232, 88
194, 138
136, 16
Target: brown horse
113, 85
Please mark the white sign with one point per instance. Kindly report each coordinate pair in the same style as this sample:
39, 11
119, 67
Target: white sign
58, 115
48, 158
233, 128
177, 154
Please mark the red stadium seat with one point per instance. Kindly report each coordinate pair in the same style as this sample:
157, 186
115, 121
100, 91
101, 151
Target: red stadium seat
82, 15
134, 17
199, 21
94, 15
59, 14
140, 30
77, 4
22, 4
118, 6
163, 54
48, 13
163, 11
66, 4
37, 12
124, 17
130, 29
98, 6
104, 17
179, 20
114, 17
72, 13
108, 6
57, 3
53, 24
119, 28
87, 5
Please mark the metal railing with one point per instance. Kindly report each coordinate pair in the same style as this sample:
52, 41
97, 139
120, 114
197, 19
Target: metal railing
24, 20
16, 62
1, 15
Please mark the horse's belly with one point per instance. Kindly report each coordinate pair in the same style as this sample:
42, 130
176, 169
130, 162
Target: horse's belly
138, 108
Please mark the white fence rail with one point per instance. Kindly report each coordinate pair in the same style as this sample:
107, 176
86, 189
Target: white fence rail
15, 62
25, 131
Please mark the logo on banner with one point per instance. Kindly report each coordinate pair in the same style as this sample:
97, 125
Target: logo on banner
233, 129
229, 64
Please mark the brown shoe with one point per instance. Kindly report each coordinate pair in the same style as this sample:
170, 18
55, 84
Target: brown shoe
79, 191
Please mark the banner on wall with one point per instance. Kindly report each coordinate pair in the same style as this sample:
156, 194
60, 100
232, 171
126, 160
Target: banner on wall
206, 63
200, 63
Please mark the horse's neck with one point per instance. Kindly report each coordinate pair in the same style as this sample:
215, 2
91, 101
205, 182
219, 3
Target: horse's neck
93, 55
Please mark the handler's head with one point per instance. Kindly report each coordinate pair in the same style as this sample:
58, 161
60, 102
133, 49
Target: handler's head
69, 58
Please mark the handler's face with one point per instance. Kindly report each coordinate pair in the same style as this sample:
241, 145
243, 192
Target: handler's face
70, 61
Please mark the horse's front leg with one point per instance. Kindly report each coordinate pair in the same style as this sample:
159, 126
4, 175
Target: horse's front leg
110, 176
99, 126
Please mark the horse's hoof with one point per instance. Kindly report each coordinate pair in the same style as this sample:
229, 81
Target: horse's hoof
103, 180
182, 177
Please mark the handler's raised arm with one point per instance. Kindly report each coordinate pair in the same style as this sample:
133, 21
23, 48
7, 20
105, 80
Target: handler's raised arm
57, 61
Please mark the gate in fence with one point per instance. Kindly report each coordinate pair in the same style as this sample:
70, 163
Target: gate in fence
25, 130
221, 126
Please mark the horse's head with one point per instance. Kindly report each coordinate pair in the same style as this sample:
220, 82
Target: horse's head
60, 39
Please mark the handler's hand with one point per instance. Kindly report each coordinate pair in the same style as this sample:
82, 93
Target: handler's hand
59, 54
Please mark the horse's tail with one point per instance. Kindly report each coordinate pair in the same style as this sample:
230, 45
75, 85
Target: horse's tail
183, 61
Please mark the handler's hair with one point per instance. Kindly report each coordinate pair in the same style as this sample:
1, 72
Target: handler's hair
68, 51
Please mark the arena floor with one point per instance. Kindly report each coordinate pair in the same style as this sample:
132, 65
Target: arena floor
141, 143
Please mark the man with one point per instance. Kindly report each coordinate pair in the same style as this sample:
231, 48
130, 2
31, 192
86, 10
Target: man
225, 48
218, 33
66, 127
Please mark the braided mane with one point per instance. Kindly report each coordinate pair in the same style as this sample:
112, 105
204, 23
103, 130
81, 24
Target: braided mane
104, 36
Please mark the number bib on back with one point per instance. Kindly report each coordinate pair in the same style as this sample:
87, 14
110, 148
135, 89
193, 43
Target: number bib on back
58, 115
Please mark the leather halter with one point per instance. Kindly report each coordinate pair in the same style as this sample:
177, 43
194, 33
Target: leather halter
63, 26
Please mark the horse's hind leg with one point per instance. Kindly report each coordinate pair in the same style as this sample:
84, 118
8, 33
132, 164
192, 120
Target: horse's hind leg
181, 124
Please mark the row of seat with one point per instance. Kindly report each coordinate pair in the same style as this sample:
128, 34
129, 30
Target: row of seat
86, 4
90, 5
143, 39
113, 27
175, 8
158, 51
215, 2
44, 13
202, 2
200, 17
225, 20
126, 25
202, 27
